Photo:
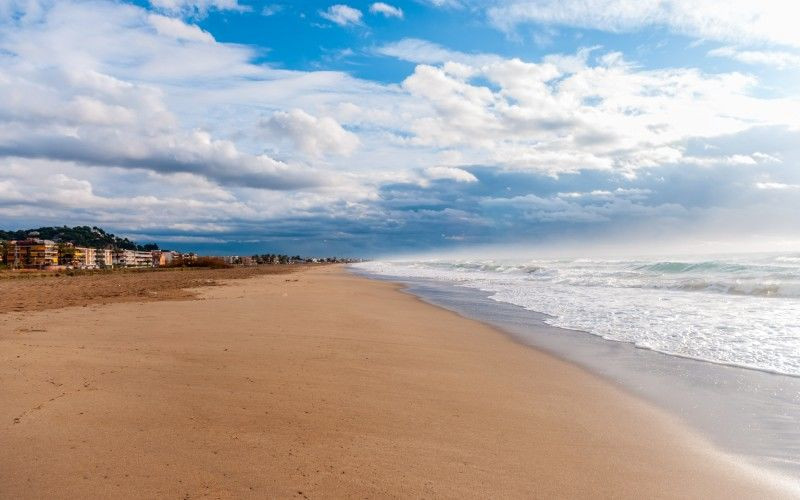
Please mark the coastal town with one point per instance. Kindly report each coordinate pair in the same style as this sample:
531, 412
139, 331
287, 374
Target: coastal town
35, 252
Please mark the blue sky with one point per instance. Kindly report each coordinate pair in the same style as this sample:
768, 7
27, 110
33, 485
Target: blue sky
368, 128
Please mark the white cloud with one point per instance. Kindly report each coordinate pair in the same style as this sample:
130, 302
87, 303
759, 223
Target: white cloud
777, 186
271, 9
148, 122
386, 9
342, 14
197, 8
561, 114
736, 159
775, 58
175, 28
594, 207
422, 51
68, 192
601, 194
741, 21
444, 3
316, 137
565, 114
449, 173
62, 105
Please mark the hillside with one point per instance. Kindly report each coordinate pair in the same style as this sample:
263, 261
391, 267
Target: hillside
83, 236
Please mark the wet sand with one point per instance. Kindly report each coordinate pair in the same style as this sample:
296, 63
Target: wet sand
320, 384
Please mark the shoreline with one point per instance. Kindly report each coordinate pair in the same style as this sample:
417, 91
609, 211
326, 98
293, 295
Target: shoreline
243, 392
725, 404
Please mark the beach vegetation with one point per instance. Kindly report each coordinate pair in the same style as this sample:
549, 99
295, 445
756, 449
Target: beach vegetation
206, 262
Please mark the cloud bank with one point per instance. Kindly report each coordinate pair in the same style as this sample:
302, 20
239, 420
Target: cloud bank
767, 21
140, 120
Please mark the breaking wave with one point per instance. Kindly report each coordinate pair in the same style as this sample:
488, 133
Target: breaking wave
741, 311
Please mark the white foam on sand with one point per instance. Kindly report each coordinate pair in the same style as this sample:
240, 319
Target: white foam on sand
742, 311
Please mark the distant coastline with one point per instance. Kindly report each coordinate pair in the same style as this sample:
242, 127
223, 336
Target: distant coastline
89, 248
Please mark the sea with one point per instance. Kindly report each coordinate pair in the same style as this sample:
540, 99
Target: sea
715, 339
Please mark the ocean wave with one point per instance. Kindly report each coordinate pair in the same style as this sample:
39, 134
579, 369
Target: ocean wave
692, 267
713, 276
744, 312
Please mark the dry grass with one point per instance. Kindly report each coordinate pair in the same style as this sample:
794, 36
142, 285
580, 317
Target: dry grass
207, 262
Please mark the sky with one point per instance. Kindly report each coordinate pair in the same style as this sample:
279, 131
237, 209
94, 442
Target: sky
372, 128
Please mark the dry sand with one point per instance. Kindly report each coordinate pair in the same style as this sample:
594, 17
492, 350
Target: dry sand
35, 291
321, 384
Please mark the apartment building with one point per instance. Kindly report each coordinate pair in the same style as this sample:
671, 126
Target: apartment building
170, 257
160, 258
35, 253
89, 258
132, 258
123, 258
143, 259
104, 258
32, 253
78, 257
85, 258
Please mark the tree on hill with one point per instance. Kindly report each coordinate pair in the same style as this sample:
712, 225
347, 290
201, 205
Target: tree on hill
82, 236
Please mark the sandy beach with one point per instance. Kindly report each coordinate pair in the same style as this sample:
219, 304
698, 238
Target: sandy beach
39, 290
319, 383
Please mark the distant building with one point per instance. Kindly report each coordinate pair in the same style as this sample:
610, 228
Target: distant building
77, 257
236, 260
122, 258
171, 257
66, 253
159, 258
31, 253
88, 258
132, 258
143, 259
104, 258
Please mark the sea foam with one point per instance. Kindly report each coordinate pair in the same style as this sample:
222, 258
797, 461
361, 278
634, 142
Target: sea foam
742, 311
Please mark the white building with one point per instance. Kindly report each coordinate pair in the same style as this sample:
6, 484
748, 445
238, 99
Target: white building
104, 258
132, 258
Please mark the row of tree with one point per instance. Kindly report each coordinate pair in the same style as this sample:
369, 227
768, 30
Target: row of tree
81, 236
270, 258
